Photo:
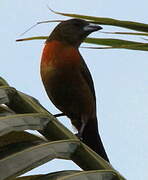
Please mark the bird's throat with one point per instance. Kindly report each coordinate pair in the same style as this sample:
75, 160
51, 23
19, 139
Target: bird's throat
58, 54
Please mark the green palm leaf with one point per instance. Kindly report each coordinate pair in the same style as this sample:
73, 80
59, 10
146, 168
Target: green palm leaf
34, 156
117, 43
111, 43
20, 122
51, 176
21, 151
109, 21
74, 175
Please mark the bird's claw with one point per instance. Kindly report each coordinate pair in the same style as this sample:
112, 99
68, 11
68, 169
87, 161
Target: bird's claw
79, 136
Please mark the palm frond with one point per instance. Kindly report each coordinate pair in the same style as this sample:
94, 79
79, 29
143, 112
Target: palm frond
21, 151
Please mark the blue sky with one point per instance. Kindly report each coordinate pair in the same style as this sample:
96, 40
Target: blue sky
120, 76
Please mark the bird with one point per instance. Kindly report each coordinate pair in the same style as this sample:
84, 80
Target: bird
68, 81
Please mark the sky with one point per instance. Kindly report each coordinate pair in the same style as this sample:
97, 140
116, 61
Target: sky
120, 76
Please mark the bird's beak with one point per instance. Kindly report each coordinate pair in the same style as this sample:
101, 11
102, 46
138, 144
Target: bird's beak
92, 27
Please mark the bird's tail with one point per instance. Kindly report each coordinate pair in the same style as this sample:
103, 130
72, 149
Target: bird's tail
92, 138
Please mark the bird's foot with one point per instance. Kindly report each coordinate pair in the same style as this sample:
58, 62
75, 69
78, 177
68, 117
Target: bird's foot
80, 132
79, 136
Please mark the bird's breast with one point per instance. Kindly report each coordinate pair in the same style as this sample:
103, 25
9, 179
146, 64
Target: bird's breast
59, 69
59, 55
59, 62
63, 80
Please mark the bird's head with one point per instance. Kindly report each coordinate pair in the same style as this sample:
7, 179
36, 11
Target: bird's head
73, 31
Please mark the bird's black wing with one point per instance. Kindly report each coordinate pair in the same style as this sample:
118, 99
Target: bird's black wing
87, 76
